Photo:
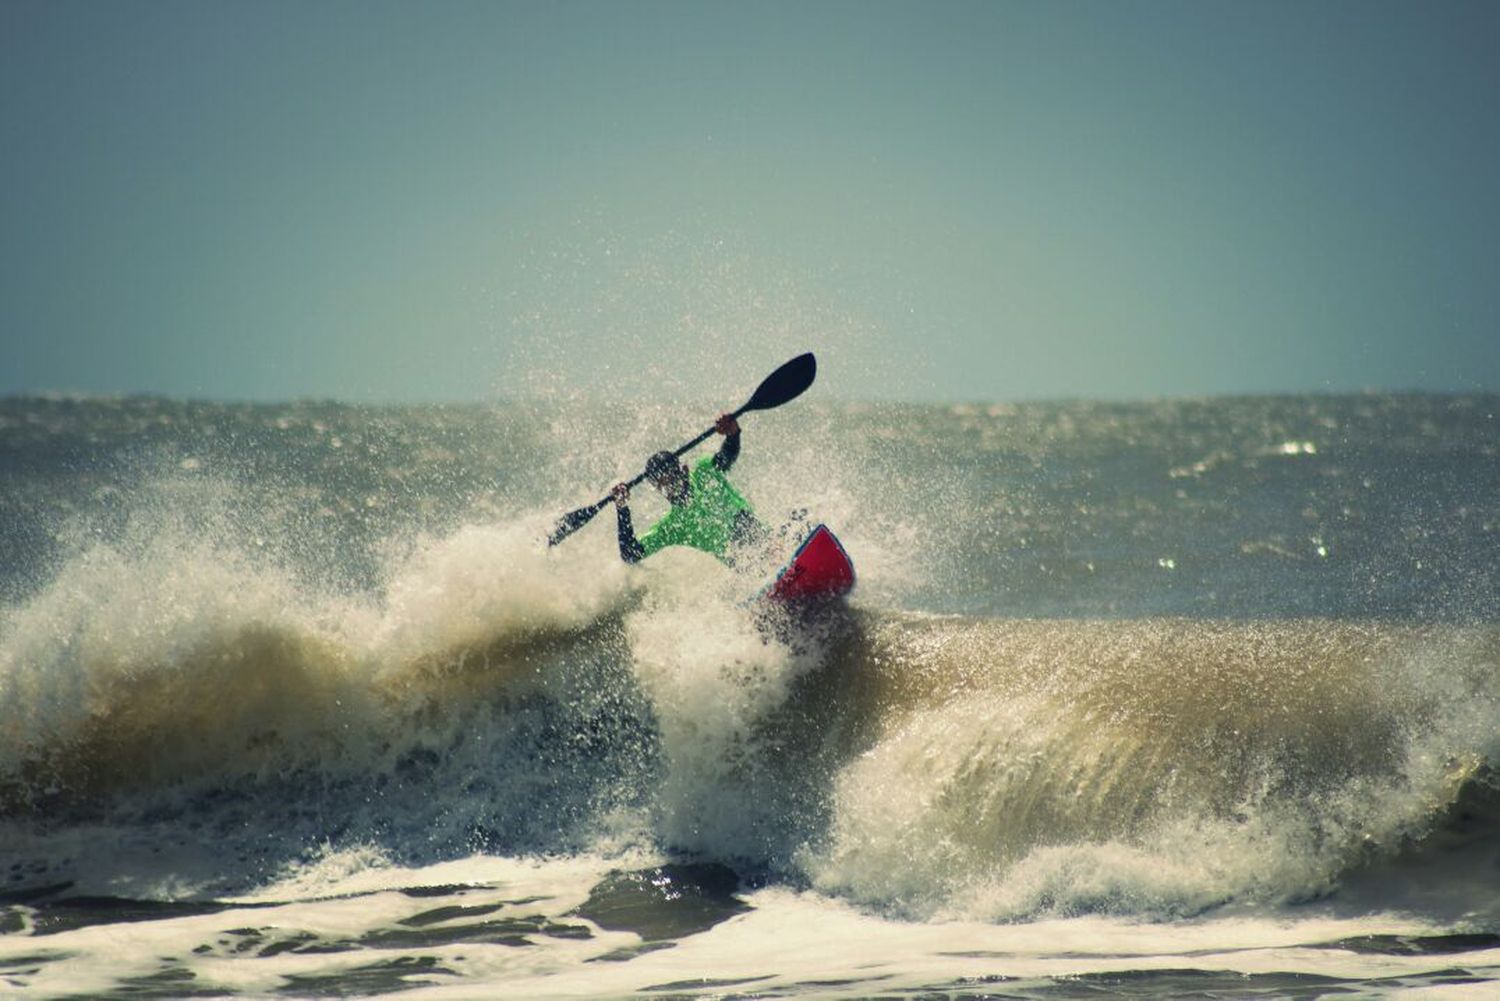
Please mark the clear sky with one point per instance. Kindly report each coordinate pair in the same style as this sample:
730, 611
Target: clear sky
969, 201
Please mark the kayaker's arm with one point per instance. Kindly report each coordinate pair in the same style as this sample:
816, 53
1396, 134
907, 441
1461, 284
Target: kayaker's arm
730, 450
631, 550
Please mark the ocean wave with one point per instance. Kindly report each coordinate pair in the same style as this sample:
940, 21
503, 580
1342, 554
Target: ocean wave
502, 697
179, 664
1158, 766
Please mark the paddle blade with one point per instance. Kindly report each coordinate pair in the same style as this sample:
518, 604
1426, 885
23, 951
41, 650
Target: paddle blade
785, 384
572, 522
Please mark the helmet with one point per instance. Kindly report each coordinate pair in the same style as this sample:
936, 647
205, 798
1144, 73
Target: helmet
661, 465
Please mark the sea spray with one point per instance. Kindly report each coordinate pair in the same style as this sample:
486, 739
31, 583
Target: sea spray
174, 665
713, 673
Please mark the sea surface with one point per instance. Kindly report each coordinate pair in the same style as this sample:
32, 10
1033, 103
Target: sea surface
1186, 698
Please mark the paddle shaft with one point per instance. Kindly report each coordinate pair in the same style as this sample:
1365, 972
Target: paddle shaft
598, 505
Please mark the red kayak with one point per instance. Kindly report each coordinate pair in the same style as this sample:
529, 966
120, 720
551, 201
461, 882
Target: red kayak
819, 569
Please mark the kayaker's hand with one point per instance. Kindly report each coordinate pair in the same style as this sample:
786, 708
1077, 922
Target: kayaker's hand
621, 494
726, 425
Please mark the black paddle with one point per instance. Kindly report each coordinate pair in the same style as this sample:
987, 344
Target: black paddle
782, 386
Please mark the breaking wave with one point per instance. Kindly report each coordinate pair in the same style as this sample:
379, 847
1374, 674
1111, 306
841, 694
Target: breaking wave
500, 697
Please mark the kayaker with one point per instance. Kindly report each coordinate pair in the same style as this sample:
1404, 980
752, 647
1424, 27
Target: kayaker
707, 513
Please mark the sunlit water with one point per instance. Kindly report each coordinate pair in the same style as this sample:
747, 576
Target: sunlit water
1182, 698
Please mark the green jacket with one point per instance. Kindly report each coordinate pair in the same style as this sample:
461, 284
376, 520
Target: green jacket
714, 518
708, 521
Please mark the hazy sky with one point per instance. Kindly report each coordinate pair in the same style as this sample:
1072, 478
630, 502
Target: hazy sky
415, 201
